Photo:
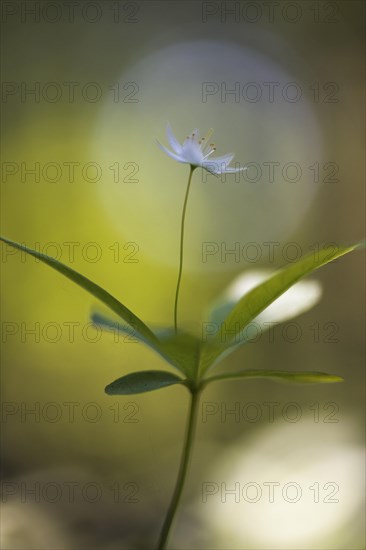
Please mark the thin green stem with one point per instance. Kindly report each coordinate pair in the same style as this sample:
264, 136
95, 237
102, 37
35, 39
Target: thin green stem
186, 455
181, 250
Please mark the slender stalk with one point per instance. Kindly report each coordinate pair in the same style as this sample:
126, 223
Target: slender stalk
181, 250
185, 459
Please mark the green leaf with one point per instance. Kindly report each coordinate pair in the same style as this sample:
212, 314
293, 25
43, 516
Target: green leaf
258, 299
141, 382
114, 325
281, 376
180, 351
183, 349
94, 289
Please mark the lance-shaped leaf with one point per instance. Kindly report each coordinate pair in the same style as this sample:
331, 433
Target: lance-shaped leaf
128, 332
280, 376
170, 350
298, 299
141, 382
258, 299
181, 350
94, 289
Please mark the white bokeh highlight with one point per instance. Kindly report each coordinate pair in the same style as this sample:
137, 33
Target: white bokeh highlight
170, 80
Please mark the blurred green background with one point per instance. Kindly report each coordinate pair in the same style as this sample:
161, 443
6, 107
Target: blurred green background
149, 63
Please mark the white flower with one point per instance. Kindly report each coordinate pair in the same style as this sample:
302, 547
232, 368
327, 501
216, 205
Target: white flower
197, 151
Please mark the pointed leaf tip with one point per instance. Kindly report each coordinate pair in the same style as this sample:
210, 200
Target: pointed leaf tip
306, 377
254, 302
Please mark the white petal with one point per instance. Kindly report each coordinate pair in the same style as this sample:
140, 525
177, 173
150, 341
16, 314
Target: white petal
211, 168
173, 155
191, 152
174, 143
222, 165
225, 159
231, 170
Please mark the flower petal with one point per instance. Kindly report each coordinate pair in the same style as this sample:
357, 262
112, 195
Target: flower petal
225, 158
211, 168
232, 170
174, 143
197, 152
173, 155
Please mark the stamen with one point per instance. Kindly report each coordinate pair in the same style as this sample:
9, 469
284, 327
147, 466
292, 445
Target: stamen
209, 134
208, 154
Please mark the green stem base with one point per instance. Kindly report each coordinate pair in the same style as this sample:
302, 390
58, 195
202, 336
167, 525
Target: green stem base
174, 503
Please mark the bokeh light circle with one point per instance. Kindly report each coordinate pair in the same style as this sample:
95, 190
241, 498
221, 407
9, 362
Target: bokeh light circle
280, 139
